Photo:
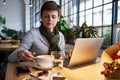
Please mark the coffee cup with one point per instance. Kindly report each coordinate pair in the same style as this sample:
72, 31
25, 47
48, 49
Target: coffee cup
43, 61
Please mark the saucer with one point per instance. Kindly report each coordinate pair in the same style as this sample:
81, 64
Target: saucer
42, 68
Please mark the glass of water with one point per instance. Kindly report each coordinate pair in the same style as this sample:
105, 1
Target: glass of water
57, 59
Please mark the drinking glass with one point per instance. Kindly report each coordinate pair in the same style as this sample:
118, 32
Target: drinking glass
57, 59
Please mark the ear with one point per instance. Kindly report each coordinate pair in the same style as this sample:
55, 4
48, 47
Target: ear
58, 18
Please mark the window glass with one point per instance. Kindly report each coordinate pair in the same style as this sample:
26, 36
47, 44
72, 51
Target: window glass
107, 36
74, 17
62, 2
66, 10
118, 18
74, 7
37, 6
37, 20
63, 12
97, 2
70, 21
107, 1
88, 4
66, 1
81, 18
107, 14
97, 16
70, 7
81, 5
89, 17
99, 30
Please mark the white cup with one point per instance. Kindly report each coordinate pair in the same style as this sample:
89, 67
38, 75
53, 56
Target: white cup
44, 61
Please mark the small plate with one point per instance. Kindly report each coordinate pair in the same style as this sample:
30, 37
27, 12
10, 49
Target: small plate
42, 68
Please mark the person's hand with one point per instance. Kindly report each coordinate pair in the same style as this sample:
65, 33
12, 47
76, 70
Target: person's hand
69, 54
26, 55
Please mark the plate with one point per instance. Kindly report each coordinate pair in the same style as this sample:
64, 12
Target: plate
42, 68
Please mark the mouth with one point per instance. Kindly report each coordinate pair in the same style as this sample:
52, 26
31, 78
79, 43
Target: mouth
49, 23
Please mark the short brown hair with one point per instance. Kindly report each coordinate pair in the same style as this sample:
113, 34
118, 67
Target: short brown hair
50, 6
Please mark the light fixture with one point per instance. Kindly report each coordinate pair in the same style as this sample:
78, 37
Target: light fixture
4, 1
30, 3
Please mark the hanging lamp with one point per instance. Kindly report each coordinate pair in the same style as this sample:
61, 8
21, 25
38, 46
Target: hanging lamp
4, 1
30, 3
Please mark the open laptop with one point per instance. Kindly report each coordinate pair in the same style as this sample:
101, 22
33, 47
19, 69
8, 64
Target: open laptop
85, 50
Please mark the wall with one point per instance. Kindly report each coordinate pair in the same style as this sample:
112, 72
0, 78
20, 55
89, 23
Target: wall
14, 11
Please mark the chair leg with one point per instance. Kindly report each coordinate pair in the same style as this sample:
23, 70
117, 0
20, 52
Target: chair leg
2, 74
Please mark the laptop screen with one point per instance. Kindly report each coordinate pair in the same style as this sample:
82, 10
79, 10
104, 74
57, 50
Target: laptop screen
85, 50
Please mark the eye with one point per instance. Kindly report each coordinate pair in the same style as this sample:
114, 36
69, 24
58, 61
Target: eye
53, 16
46, 16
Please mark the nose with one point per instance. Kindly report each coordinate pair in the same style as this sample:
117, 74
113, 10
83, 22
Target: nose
50, 18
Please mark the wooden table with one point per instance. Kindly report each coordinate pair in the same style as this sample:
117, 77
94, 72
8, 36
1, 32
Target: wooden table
11, 72
5, 41
6, 48
88, 72
7, 45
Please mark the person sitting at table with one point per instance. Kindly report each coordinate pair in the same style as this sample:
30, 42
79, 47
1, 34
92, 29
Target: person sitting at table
42, 40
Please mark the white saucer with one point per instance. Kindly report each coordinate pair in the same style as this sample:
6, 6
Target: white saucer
42, 68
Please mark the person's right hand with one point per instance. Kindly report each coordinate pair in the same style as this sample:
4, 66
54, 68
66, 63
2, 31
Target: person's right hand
26, 55
69, 54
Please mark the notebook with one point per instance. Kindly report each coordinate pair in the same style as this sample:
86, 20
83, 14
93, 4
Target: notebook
85, 50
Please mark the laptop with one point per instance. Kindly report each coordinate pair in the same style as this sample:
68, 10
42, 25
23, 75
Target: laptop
85, 50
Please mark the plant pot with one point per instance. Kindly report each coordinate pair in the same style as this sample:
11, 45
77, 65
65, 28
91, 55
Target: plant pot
70, 39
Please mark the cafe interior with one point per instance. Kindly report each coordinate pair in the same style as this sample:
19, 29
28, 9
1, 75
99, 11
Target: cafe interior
101, 17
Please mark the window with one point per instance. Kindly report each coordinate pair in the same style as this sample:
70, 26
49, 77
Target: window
118, 18
97, 13
69, 11
35, 13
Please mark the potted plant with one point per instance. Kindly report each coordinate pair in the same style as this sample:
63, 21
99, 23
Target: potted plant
68, 32
14, 34
86, 31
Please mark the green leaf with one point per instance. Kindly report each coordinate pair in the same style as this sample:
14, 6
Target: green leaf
12, 33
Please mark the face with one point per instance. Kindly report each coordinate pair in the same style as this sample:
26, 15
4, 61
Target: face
50, 19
